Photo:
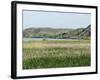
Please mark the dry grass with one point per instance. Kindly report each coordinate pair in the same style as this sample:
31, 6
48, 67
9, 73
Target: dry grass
38, 50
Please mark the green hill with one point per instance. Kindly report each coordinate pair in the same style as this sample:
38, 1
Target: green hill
44, 32
80, 33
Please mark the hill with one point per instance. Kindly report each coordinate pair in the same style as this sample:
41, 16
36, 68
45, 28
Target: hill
80, 33
43, 32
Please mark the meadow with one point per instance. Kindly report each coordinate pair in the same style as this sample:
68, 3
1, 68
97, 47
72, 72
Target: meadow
56, 53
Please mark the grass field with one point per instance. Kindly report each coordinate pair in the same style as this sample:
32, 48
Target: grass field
56, 53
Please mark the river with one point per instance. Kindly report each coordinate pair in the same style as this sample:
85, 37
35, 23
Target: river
32, 39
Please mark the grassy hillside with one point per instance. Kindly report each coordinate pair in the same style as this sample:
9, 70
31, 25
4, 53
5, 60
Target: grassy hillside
43, 32
79, 33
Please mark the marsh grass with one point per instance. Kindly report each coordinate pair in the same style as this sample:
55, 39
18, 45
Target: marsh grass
52, 54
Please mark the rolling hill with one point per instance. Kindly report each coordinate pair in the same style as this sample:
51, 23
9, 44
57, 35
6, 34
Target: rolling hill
79, 33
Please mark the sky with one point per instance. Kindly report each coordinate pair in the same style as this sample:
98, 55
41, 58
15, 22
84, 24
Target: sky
42, 19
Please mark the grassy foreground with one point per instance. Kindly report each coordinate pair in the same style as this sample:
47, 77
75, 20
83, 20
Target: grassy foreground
56, 53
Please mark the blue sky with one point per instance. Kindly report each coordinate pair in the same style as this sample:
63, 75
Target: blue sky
41, 19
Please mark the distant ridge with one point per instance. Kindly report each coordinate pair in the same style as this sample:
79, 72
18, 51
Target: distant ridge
79, 33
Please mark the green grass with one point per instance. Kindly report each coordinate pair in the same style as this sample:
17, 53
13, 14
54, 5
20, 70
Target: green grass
51, 62
59, 53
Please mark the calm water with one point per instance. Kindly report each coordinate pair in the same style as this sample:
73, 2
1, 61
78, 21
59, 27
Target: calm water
32, 39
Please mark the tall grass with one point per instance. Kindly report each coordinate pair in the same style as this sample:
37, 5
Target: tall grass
53, 62
52, 54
